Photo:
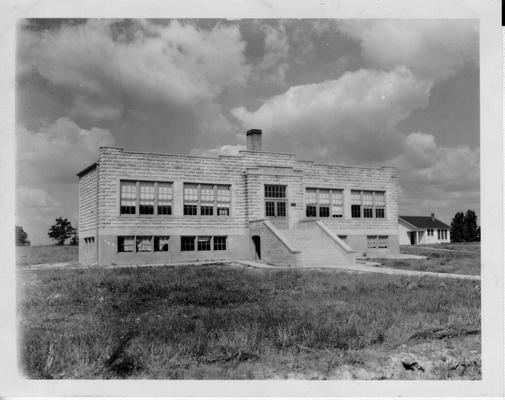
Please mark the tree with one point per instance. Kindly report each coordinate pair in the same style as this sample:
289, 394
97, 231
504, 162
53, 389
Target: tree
457, 228
21, 237
61, 231
471, 229
74, 241
464, 227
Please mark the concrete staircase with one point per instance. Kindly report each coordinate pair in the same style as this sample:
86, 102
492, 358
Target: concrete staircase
318, 245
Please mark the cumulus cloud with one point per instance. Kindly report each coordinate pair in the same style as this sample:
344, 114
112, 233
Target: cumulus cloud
432, 49
56, 152
174, 63
423, 162
351, 119
274, 64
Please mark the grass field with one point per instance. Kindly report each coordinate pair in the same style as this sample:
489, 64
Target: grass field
30, 255
228, 322
465, 259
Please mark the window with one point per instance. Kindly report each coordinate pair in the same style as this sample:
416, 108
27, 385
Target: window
144, 244
154, 198
275, 200
146, 198
383, 242
161, 243
128, 197
442, 234
89, 240
187, 243
377, 242
355, 204
204, 243
220, 243
323, 203
125, 244
337, 203
190, 199
165, 199
223, 200
367, 204
311, 202
430, 232
371, 242
206, 199
380, 204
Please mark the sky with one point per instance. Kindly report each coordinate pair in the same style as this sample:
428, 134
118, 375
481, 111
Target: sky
403, 93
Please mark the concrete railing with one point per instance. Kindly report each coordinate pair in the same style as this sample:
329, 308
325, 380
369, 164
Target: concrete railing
335, 238
280, 236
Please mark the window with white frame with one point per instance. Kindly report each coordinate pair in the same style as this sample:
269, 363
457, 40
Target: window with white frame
128, 197
324, 203
442, 234
219, 243
275, 200
165, 198
430, 232
145, 198
368, 204
204, 243
206, 199
223, 200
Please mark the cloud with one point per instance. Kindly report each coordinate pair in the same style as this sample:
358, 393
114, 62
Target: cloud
173, 63
351, 119
56, 152
424, 163
226, 150
274, 64
432, 49
35, 198
437, 179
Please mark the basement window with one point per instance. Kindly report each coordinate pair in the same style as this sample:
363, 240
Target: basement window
144, 244
188, 243
220, 243
161, 243
126, 244
204, 243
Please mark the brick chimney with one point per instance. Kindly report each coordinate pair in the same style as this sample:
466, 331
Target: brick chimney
432, 215
254, 139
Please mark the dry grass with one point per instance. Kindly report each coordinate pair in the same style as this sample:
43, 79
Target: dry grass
465, 260
30, 255
224, 322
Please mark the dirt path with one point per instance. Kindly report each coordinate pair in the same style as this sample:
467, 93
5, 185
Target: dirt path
360, 268
440, 249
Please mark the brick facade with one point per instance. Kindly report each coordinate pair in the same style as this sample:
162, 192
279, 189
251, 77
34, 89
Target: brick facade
246, 174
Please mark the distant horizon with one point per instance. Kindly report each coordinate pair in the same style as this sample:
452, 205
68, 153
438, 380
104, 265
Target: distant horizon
401, 93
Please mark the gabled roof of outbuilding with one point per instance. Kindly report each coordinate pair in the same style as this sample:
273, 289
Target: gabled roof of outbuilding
424, 222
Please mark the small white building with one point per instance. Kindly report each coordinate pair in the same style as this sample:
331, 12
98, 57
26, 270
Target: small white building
422, 230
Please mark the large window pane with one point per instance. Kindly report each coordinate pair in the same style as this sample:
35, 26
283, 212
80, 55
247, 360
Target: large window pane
146, 198
128, 197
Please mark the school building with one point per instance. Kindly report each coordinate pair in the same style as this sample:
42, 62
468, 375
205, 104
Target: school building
146, 208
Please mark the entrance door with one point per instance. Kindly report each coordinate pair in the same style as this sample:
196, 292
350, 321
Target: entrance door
276, 204
257, 247
413, 236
